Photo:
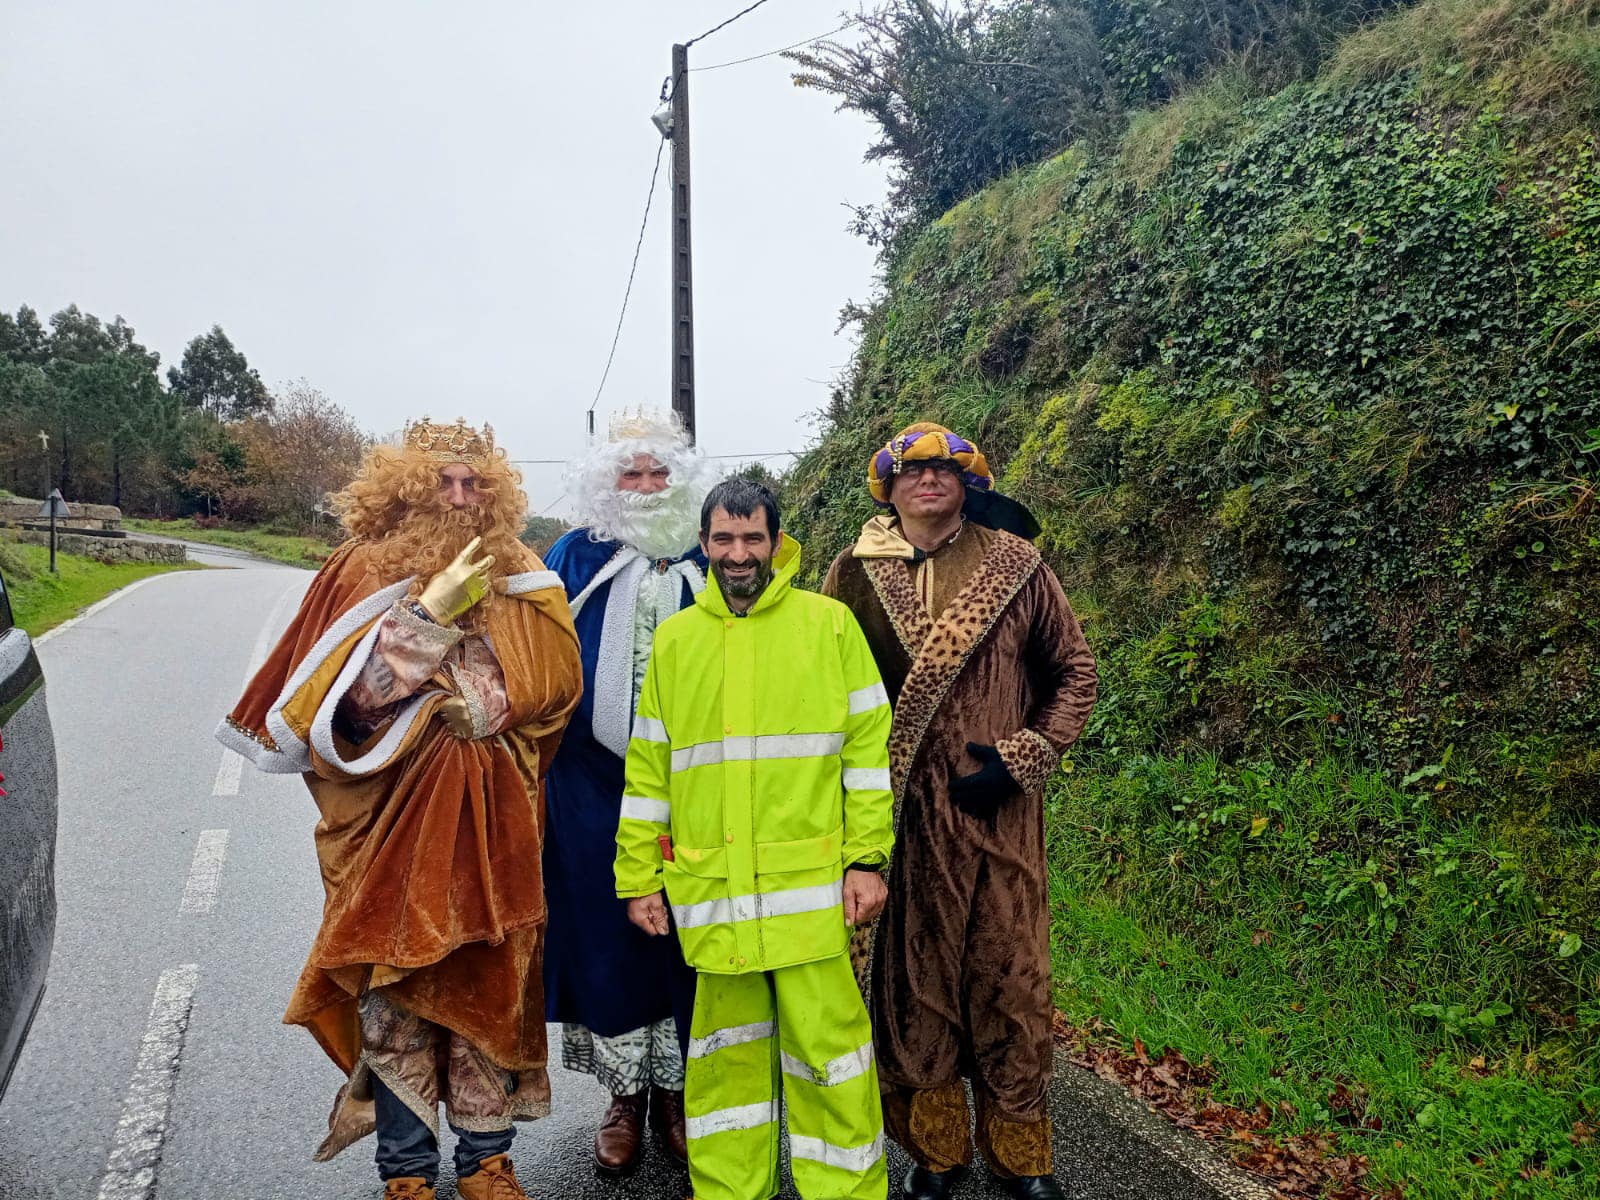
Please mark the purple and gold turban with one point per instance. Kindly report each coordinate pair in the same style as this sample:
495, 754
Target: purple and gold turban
922, 442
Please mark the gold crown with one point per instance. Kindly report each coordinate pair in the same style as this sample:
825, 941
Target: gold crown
643, 425
451, 443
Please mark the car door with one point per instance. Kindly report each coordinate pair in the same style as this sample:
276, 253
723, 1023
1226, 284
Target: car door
27, 837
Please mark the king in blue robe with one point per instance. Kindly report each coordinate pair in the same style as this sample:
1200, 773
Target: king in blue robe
623, 998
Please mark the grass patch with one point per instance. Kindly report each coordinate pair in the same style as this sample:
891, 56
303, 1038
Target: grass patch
293, 549
41, 601
1307, 928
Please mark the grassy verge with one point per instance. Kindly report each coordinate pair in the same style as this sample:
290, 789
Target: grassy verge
41, 601
1348, 952
293, 549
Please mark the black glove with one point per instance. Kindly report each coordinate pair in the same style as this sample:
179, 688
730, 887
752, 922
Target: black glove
982, 793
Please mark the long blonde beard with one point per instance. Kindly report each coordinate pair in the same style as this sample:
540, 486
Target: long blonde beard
427, 540
436, 537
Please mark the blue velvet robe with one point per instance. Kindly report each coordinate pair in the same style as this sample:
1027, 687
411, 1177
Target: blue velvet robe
599, 971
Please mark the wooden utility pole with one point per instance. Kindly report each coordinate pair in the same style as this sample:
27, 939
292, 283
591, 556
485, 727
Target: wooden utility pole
682, 262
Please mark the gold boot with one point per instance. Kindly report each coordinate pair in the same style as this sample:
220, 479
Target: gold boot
407, 1187
493, 1180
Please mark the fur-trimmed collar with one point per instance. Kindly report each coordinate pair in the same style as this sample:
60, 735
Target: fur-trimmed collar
940, 648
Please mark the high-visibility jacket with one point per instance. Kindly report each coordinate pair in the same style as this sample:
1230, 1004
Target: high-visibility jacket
760, 749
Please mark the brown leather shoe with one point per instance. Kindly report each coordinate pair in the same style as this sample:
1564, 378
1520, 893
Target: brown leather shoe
616, 1146
407, 1187
493, 1180
666, 1118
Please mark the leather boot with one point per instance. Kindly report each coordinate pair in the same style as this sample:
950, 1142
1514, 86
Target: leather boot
616, 1146
666, 1118
493, 1180
923, 1184
407, 1187
1031, 1187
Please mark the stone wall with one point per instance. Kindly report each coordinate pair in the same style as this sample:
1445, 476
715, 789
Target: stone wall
106, 550
84, 516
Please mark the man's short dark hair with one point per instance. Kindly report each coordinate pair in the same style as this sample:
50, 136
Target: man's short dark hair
740, 497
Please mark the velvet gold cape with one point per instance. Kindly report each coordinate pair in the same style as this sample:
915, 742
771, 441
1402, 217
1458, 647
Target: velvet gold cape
429, 845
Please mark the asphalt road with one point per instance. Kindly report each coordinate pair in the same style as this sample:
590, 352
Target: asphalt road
158, 1068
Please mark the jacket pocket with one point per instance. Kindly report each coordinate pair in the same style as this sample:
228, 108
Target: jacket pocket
801, 854
710, 863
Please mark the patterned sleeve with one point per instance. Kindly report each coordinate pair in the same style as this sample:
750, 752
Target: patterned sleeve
408, 652
483, 686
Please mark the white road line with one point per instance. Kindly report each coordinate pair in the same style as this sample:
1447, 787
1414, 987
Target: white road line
200, 893
142, 1131
232, 765
228, 773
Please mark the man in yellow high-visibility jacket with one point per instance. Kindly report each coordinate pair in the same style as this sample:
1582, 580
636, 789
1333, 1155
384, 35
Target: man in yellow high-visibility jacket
758, 796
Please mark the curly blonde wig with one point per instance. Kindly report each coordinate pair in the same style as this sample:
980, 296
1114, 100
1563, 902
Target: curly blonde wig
395, 502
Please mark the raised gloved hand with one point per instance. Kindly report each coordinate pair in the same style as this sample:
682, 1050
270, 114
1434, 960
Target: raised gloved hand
457, 717
983, 792
459, 586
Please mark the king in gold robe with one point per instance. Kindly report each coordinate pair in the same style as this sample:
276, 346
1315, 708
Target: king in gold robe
423, 743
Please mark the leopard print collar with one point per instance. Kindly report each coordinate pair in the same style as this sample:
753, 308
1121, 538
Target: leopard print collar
939, 649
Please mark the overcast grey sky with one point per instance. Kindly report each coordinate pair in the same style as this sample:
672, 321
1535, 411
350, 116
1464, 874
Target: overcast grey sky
431, 207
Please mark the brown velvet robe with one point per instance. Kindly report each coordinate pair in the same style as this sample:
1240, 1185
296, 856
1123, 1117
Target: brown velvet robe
960, 981
429, 845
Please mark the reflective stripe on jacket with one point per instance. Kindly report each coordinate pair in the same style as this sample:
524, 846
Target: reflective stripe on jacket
761, 747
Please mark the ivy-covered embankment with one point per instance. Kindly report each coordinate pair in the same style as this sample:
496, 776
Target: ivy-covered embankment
1305, 389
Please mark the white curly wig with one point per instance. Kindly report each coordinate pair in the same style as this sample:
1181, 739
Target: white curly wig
664, 524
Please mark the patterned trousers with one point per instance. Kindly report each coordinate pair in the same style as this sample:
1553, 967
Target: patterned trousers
627, 1064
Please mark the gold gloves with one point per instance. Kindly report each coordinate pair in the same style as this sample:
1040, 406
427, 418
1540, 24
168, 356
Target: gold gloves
457, 718
458, 587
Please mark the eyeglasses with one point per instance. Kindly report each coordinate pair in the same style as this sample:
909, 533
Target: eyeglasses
939, 466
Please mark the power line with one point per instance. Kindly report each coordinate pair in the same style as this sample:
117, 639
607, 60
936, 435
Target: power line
780, 50
725, 24
655, 173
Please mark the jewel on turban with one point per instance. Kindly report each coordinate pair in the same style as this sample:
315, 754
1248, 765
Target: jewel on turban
922, 442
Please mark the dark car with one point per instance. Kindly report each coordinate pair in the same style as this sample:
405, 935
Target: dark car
27, 837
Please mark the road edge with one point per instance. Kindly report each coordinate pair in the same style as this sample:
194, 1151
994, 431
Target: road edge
103, 602
1211, 1171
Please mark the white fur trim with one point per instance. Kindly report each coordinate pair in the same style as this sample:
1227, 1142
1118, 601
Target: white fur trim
322, 724
273, 762
613, 668
613, 671
623, 556
532, 581
375, 605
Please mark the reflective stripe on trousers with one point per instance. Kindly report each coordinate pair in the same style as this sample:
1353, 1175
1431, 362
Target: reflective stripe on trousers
804, 1029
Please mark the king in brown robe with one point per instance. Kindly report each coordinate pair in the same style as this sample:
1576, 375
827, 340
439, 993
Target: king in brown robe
991, 681
423, 740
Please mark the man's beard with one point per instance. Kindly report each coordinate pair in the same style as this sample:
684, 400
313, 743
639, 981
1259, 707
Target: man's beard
663, 524
437, 535
747, 589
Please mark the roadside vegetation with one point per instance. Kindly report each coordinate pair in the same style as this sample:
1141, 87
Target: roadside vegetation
293, 549
1300, 370
210, 440
41, 601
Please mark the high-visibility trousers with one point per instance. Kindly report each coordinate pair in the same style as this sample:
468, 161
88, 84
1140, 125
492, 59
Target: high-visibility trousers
805, 1028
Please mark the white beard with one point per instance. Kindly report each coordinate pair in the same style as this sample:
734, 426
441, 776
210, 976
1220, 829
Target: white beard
664, 524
